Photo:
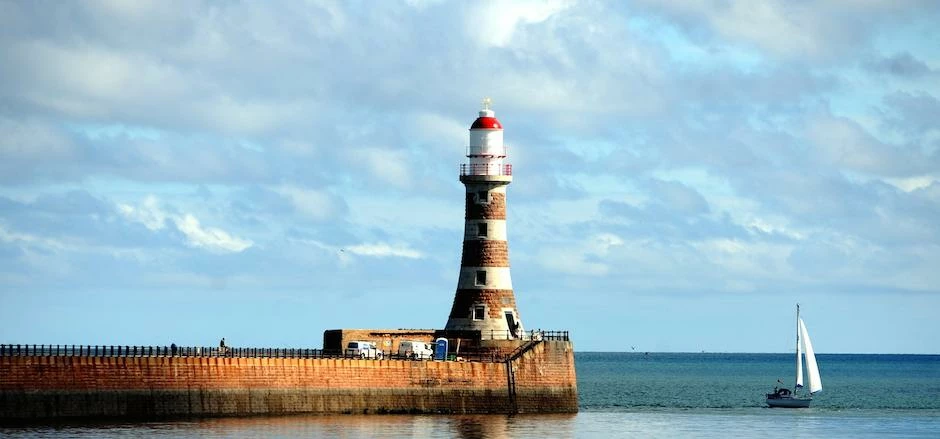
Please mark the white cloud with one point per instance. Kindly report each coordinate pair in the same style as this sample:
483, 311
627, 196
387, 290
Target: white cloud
316, 204
138, 11
154, 218
789, 28
495, 23
210, 238
792, 29
30, 240
422, 4
561, 260
303, 149
602, 243
382, 250
913, 183
842, 142
85, 80
32, 140
392, 167
439, 131
149, 213
771, 226
746, 259
584, 259
249, 116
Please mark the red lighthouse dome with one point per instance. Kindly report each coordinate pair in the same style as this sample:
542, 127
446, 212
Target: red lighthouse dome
486, 123
487, 118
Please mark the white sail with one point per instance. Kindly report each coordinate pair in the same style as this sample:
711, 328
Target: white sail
799, 358
812, 371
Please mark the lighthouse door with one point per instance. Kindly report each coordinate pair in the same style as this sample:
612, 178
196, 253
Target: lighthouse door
511, 323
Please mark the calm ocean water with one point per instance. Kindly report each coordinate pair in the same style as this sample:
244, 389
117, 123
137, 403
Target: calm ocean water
634, 395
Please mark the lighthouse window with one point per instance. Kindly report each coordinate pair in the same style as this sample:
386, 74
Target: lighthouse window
481, 277
479, 312
481, 229
483, 197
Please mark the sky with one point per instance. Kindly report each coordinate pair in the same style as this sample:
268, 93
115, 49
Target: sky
685, 172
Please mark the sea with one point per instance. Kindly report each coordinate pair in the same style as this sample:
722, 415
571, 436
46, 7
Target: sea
630, 395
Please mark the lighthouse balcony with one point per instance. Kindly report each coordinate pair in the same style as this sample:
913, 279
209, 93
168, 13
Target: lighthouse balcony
469, 169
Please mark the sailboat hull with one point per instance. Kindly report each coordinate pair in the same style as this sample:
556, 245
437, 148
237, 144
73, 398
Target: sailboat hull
790, 403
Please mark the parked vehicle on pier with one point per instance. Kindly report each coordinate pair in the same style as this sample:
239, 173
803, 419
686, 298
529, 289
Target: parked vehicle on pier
417, 350
364, 349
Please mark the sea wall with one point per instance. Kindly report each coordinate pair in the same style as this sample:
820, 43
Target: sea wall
44, 387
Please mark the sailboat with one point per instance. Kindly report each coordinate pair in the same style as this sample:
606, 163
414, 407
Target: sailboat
804, 350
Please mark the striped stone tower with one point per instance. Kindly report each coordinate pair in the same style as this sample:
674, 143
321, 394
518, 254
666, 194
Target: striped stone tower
484, 300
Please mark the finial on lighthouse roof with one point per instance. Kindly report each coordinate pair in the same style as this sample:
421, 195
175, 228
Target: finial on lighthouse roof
486, 110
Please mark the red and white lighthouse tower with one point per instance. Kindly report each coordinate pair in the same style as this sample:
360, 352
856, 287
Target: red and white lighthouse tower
484, 300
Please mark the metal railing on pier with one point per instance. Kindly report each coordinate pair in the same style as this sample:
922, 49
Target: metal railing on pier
17, 350
27, 350
124, 351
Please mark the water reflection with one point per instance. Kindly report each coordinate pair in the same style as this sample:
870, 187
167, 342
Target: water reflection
658, 423
479, 427
333, 426
502, 426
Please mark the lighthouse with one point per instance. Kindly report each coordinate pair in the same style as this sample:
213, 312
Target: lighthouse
484, 300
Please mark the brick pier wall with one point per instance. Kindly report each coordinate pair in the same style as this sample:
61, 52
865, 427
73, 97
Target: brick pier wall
34, 387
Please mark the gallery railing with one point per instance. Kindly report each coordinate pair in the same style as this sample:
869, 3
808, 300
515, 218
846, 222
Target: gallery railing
537, 334
467, 169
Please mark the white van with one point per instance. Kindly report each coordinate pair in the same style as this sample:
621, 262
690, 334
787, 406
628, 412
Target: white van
364, 349
417, 350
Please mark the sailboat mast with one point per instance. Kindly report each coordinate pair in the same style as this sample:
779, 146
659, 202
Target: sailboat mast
799, 369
